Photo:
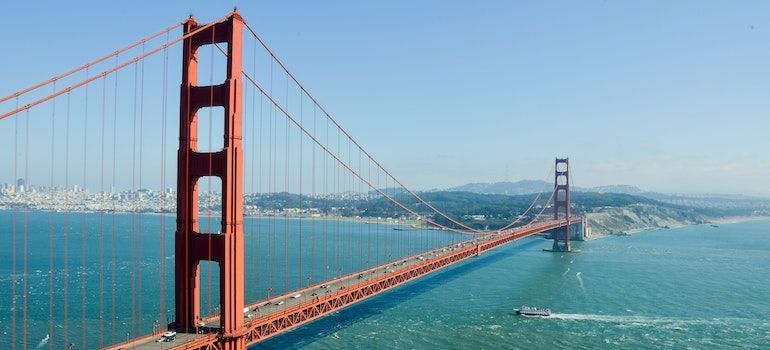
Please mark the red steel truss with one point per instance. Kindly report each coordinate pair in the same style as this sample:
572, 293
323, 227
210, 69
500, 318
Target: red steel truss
276, 323
192, 245
561, 205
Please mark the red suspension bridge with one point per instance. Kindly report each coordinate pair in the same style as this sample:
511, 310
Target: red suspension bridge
283, 219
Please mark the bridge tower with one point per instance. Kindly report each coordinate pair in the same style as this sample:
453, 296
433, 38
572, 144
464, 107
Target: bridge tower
191, 245
561, 205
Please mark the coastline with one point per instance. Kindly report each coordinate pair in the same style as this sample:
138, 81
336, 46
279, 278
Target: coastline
407, 223
738, 219
713, 221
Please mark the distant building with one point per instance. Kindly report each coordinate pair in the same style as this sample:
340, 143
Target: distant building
478, 217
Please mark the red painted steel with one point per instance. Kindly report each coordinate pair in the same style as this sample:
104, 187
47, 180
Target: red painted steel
276, 323
561, 205
106, 72
226, 247
193, 246
89, 64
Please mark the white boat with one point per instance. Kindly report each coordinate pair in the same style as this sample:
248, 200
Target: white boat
533, 311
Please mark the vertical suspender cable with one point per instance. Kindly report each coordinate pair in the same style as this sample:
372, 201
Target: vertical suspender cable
388, 246
114, 207
359, 213
327, 208
65, 232
334, 212
13, 239
89, 64
262, 194
369, 218
338, 232
133, 205
271, 193
314, 205
403, 235
164, 118
84, 237
51, 225
26, 224
351, 225
286, 200
102, 205
350, 183
301, 110
377, 233
360, 221
343, 227
262, 191
254, 221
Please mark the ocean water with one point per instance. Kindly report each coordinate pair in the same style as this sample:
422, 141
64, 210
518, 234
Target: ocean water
103, 310
696, 287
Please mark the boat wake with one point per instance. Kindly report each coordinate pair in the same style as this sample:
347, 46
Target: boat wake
643, 320
43, 342
580, 280
606, 318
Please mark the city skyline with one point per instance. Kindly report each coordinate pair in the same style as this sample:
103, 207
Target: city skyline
689, 119
344, 174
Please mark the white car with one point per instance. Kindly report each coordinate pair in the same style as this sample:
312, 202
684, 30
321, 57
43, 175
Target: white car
167, 337
279, 303
295, 296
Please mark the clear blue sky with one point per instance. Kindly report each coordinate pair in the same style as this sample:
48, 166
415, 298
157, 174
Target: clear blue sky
667, 96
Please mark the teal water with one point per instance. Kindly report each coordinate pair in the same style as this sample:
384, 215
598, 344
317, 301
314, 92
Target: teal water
690, 288
696, 287
279, 257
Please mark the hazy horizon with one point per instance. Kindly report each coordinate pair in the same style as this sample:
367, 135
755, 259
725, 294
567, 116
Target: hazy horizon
641, 94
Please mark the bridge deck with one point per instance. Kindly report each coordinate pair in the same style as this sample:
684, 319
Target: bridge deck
269, 317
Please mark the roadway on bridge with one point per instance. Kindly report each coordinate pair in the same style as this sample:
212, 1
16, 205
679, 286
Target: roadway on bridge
280, 304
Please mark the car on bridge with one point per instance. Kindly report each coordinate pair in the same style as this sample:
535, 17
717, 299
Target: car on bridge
167, 337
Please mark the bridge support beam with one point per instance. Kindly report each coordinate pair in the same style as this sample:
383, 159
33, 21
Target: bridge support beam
226, 246
561, 207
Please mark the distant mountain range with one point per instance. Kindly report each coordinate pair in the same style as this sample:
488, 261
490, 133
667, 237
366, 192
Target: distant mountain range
507, 188
535, 186
733, 201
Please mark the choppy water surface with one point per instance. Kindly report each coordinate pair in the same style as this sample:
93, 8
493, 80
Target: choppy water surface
696, 287
281, 253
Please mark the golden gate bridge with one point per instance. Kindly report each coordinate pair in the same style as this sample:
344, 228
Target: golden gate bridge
359, 230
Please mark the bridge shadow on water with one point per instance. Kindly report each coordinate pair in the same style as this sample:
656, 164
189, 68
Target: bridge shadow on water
332, 323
